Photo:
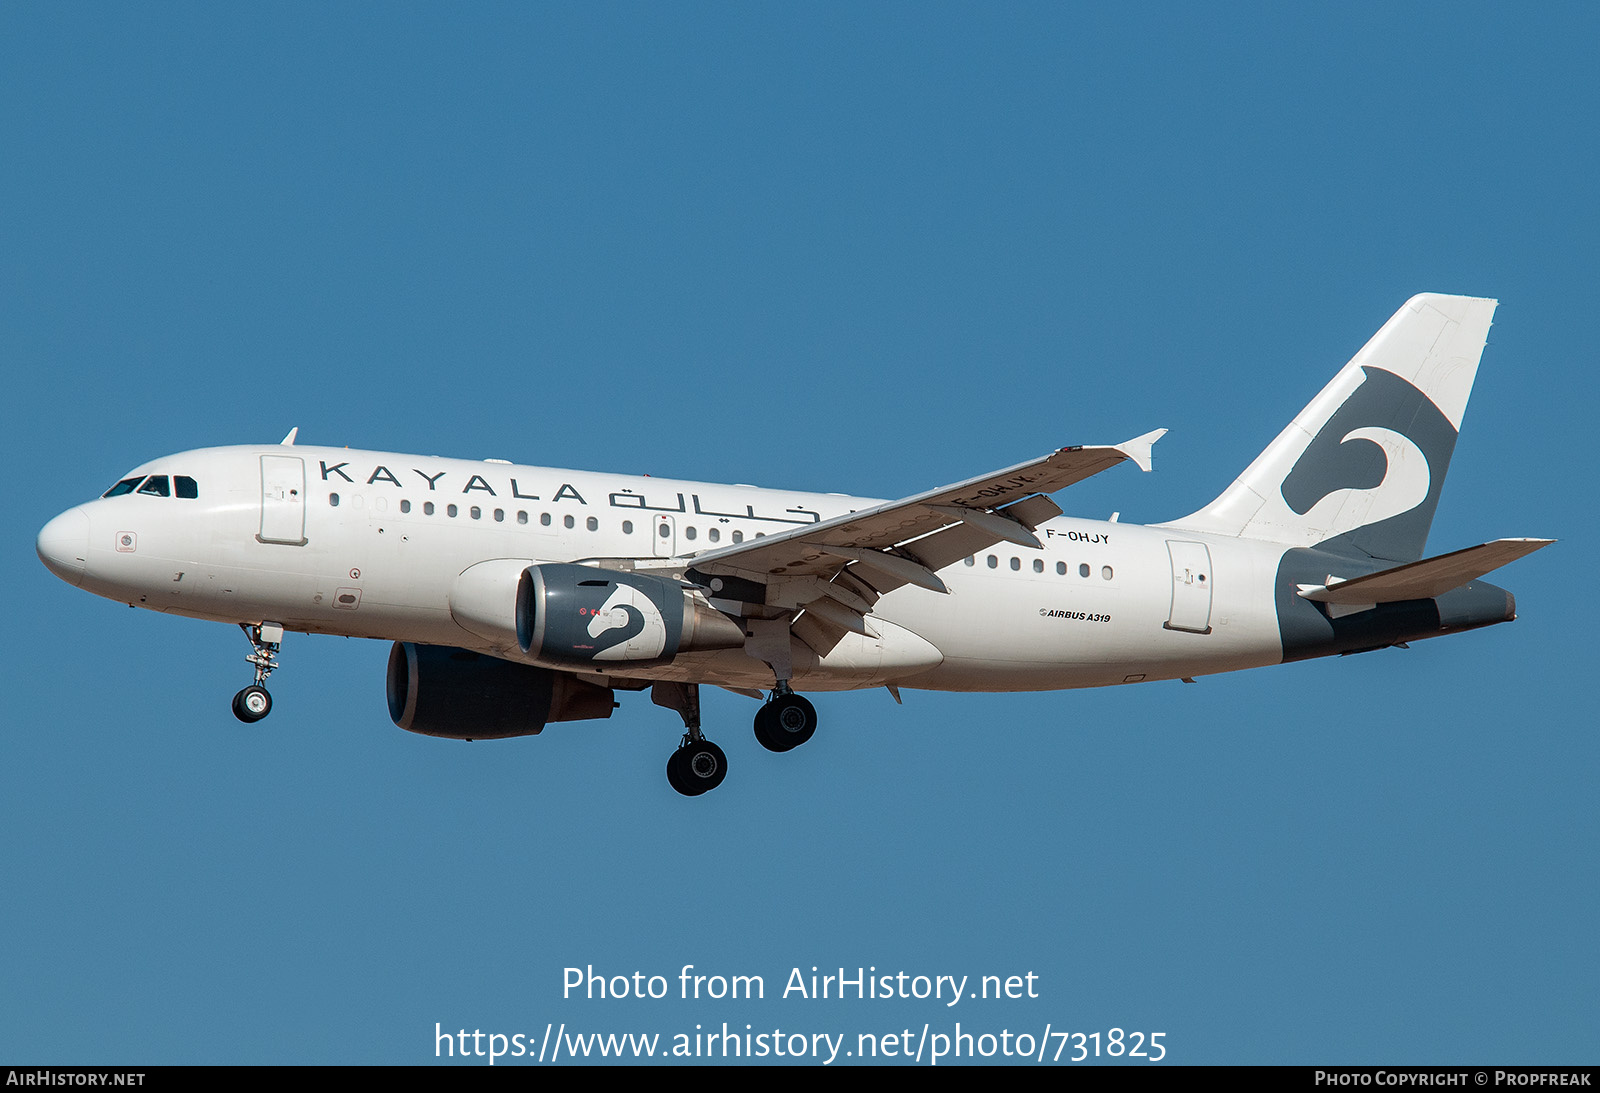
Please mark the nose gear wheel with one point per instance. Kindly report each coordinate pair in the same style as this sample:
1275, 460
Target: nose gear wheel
253, 703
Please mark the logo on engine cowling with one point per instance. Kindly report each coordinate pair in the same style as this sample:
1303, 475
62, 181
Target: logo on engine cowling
628, 626
572, 614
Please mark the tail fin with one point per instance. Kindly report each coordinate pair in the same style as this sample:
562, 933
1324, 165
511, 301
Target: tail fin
1364, 462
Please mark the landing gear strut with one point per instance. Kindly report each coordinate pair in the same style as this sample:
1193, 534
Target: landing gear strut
698, 766
253, 703
786, 721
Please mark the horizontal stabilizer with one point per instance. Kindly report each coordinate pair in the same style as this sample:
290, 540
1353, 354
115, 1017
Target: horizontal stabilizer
1425, 579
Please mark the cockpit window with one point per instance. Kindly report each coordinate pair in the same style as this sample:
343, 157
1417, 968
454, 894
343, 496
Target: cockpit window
125, 486
157, 485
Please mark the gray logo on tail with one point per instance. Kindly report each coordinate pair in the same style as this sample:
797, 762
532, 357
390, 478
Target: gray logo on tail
1346, 455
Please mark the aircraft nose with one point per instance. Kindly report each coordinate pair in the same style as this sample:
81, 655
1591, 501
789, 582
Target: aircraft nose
63, 545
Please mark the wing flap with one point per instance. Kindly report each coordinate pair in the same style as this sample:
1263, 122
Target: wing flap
999, 524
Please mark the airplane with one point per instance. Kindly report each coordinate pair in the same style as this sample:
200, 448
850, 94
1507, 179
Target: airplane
516, 596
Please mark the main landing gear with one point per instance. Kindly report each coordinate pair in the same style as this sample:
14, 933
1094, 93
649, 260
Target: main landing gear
698, 765
253, 703
785, 721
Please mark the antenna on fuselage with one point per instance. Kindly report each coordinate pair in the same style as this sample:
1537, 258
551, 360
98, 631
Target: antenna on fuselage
289, 440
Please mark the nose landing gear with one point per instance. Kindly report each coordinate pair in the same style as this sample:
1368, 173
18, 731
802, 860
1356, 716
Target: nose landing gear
253, 703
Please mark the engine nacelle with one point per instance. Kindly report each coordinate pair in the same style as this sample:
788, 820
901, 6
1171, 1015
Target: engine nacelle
483, 599
439, 691
581, 616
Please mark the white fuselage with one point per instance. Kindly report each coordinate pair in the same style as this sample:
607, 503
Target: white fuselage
371, 544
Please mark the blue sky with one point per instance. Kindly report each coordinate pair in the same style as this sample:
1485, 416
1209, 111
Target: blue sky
869, 249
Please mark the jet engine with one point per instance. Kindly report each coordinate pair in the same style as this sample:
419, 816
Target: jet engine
580, 616
439, 691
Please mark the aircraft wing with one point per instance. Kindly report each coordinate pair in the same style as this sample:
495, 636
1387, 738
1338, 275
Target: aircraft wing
839, 567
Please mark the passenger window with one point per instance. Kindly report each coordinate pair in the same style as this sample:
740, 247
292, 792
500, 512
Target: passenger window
1038, 565
592, 524
1106, 572
544, 519
627, 527
125, 486
993, 561
499, 516
738, 536
405, 506
689, 532
1083, 570
427, 508
522, 516
971, 561
333, 500
184, 486
1061, 569
567, 522
1016, 564
450, 510
713, 534
477, 513
155, 486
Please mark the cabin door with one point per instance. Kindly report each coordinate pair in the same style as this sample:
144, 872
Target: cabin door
283, 500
